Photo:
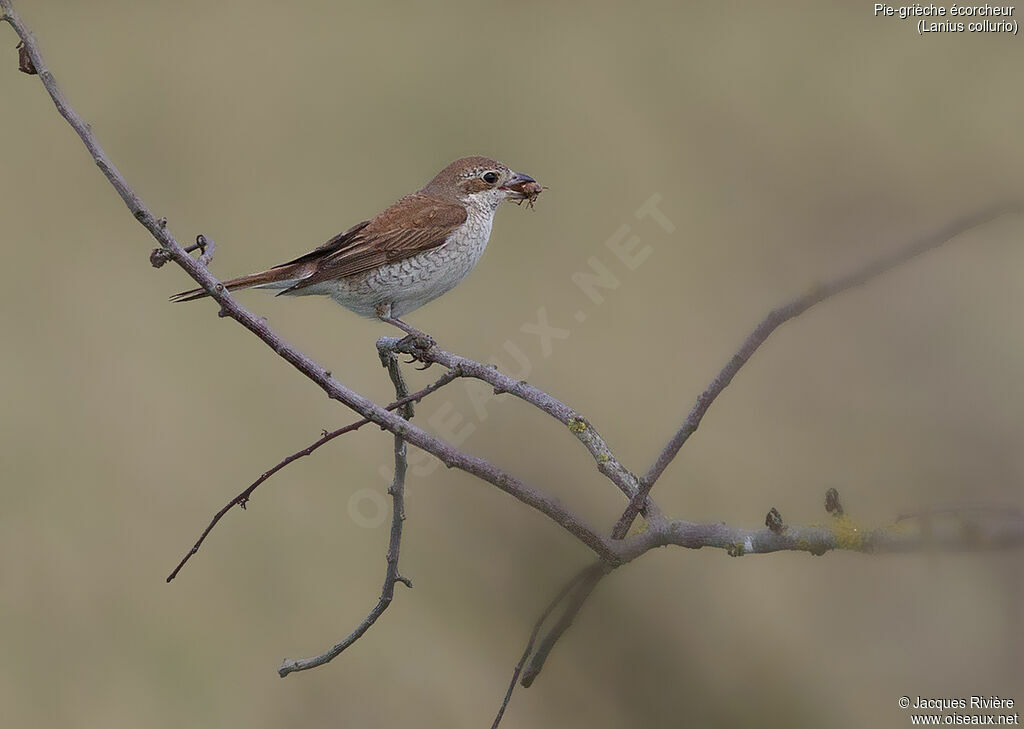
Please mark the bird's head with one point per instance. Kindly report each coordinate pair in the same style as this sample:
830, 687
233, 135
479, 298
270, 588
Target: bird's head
482, 182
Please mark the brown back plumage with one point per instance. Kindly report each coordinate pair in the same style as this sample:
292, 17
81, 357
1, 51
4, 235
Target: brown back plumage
414, 224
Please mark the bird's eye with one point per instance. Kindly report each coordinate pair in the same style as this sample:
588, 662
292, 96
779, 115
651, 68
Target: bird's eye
490, 177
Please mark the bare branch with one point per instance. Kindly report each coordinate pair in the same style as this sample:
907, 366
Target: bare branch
448, 454
243, 498
607, 463
391, 575
940, 530
780, 316
948, 528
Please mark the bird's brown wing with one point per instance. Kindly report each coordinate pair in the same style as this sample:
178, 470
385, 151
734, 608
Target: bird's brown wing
334, 244
414, 224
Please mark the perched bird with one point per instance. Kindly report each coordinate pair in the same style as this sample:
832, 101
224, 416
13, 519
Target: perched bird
409, 254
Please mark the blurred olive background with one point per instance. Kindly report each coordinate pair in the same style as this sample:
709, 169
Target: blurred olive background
787, 143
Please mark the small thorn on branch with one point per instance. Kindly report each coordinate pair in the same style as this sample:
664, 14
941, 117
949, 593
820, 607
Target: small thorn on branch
832, 504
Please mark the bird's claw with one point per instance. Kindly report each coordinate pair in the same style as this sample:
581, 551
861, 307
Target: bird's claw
416, 345
413, 359
417, 342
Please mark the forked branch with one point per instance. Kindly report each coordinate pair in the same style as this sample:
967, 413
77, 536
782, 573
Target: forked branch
607, 462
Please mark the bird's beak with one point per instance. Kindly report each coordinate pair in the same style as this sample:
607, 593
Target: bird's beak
522, 187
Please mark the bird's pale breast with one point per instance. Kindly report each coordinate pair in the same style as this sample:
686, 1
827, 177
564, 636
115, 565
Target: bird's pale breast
412, 282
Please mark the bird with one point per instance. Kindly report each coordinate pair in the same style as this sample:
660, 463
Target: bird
412, 252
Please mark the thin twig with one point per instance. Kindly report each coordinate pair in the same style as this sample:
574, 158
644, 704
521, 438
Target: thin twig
243, 498
780, 316
572, 609
391, 574
229, 307
582, 574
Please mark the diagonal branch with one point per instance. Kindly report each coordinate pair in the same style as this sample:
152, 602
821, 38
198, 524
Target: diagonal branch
581, 576
780, 316
391, 575
607, 463
243, 498
448, 454
578, 596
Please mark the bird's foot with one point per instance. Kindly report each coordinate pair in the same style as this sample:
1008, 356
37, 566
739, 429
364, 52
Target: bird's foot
416, 346
418, 340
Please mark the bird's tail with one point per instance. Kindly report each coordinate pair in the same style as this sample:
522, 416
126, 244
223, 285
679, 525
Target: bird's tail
278, 277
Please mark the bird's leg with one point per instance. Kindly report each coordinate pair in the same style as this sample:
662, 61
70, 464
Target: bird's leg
418, 339
383, 312
410, 330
